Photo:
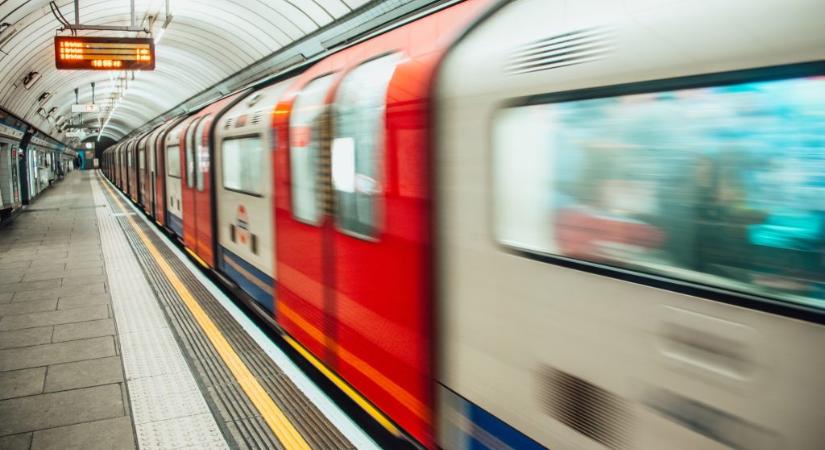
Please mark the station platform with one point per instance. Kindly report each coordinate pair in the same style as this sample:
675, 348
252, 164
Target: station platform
110, 338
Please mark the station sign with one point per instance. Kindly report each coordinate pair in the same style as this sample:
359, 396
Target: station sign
103, 53
86, 108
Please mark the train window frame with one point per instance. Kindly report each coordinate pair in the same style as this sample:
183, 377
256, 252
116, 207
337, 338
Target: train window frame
262, 181
190, 152
201, 166
753, 300
378, 151
166, 150
318, 208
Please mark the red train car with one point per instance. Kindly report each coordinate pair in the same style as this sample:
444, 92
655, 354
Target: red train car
354, 244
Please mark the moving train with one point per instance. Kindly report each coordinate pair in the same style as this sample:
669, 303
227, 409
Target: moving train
24, 174
532, 224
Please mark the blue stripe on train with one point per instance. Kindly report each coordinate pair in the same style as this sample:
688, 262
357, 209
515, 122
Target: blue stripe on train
176, 224
500, 430
259, 295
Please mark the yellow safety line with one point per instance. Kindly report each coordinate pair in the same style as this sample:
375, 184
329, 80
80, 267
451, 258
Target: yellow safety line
197, 258
274, 417
342, 385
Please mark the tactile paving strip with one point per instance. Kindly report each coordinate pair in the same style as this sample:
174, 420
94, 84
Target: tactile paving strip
162, 390
240, 420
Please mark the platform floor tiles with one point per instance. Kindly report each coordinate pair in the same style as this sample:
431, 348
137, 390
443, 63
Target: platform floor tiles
61, 376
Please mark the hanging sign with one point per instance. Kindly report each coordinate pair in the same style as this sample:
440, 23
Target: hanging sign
103, 53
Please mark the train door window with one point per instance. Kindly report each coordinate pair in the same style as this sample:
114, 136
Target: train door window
202, 152
190, 153
719, 186
142, 160
173, 161
358, 143
241, 164
129, 158
304, 149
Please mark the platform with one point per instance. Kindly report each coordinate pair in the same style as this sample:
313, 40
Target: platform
111, 338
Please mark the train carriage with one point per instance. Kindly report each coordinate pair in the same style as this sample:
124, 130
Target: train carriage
244, 193
601, 278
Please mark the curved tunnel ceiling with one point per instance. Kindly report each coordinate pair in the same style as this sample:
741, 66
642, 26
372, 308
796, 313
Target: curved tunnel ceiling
205, 42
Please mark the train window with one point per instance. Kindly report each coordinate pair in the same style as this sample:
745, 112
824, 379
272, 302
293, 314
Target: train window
202, 151
173, 161
304, 147
190, 153
358, 143
242, 164
721, 186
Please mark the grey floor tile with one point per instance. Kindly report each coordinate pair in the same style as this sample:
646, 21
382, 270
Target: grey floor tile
84, 280
57, 409
43, 355
82, 300
25, 338
83, 330
98, 288
110, 434
20, 383
37, 275
93, 372
82, 272
30, 286
5, 297
16, 442
9, 309
57, 317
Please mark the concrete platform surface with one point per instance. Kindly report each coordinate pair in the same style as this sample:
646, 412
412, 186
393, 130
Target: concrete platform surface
61, 375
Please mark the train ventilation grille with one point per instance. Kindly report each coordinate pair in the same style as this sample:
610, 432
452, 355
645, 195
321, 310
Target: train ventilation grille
256, 119
575, 47
585, 407
228, 123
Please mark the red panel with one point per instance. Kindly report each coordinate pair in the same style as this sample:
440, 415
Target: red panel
158, 146
197, 204
365, 307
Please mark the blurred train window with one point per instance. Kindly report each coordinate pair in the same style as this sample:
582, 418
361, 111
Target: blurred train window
191, 153
202, 152
721, 186
304, 146
358, 144
242, 164
173, 161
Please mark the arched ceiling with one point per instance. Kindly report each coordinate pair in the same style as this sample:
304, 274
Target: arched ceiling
205, 42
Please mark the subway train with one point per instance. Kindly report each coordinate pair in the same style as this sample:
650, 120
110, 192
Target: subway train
24, 174
532, 224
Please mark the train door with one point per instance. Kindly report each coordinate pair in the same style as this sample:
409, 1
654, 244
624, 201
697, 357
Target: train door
149, 198
190, 215
159, 150
134, 179
203, 192
380, 220
173, 179
141, 170
301, 307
